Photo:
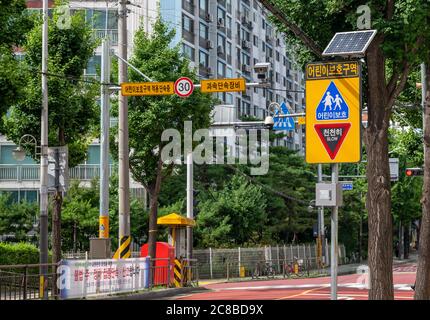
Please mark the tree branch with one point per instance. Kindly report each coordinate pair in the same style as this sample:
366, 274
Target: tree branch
390, 9
397, 89
395, 85
298, 32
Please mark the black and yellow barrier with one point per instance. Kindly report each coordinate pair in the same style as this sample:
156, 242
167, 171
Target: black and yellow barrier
124, 250
178, 274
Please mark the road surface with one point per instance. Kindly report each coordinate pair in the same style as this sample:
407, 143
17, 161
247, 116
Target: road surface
350, 287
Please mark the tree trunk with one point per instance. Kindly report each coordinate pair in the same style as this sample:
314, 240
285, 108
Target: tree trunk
422, 288
74, 236
380, 244
154, 190
56, 227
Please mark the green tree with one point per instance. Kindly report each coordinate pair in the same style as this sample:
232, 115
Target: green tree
72, 104
233, 216
14, 24
288, 217
17, 218
150, 116
400, 45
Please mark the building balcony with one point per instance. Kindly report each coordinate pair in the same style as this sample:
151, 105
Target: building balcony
111, 33
31, 172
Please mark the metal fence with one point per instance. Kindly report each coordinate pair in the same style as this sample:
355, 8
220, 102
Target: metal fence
233, 263
22, 282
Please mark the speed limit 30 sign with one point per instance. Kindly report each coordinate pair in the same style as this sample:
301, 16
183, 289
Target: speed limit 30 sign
184, 87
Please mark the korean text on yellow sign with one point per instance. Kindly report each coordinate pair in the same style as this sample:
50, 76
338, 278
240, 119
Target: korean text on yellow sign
147, 89
223, 85
333, 112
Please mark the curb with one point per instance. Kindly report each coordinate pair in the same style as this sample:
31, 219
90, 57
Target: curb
154, 295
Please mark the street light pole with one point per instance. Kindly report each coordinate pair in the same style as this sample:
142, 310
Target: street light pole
104, 143
124, 186
44, 159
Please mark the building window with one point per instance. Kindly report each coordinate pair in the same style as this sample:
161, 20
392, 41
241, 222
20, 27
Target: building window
256, 41
188, 52
187, 24
221, 15
93, 65
97, 18
229, 73
229, 98
204, 59
204, 31
221, 69
277, 56
221, 42
203, 5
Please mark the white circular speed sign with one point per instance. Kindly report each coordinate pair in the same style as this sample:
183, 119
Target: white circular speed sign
184, 87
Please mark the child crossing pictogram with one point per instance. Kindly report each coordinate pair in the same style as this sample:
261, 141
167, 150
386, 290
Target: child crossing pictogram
332, 105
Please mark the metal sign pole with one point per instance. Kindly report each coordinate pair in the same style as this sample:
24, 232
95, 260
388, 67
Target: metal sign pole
189, 204
334, 244
321, 249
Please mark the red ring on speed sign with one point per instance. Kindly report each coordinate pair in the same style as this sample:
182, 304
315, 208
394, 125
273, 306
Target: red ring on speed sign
184, 87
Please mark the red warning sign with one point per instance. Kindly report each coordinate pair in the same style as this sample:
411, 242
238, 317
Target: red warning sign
332, 136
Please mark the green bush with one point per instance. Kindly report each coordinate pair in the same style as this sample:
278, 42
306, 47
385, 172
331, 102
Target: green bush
18, 253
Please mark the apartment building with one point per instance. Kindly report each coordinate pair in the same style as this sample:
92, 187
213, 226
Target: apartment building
222, 39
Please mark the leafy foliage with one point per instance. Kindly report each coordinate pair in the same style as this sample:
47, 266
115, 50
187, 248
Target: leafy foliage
17, 218
72, 104
154, 56
18, 253
234, 216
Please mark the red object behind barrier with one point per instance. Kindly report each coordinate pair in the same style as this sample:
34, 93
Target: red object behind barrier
161, 272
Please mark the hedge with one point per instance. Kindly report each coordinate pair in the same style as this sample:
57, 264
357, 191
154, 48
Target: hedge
18, 253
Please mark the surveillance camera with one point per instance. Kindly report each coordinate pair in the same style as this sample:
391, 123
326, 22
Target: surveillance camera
269, 122
262, 69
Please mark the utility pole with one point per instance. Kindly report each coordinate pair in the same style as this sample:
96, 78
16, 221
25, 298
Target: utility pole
190, 203
124, 186
321, 236
104, 142
44, 160
334, 244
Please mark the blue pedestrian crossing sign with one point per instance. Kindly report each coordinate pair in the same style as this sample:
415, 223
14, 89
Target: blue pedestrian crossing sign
332, 105
285, 124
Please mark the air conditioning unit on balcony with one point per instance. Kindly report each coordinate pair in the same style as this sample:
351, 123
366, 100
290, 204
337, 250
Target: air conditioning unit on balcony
209, 44
221, 23
246, 44
220, 50
246, 68
209, 18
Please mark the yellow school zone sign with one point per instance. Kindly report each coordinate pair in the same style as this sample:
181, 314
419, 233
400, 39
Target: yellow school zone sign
333, 112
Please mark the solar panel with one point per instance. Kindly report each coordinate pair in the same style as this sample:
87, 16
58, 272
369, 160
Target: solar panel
352, 43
